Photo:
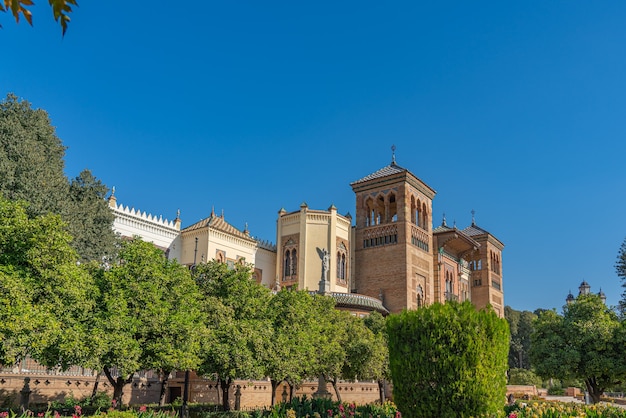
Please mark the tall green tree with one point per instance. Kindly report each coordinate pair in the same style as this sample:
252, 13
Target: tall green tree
448, 360
31, 158
48, 297
330, 339
91, 219
377, 367
586, 342
236, 309
521, 325
32, 170
291, 353
149, 315
366, 354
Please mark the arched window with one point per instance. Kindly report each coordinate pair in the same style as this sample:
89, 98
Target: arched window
420, 296
287, 266
342, 266
290, 264
393, 208
369, 210
418, 214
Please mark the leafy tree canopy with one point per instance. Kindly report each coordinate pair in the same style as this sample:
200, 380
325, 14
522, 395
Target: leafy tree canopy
149, 315
60, 10
31, 170
48, 297
521, 327
587, 342
291, 313
236, 309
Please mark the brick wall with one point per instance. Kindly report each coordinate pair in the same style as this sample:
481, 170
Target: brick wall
46, 388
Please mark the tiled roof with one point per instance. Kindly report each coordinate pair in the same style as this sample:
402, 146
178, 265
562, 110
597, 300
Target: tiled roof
354, 300
393, 168
442, 228
474, 230
218, 223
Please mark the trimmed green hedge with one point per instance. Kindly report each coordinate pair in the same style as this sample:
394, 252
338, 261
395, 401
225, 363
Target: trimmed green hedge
448, 360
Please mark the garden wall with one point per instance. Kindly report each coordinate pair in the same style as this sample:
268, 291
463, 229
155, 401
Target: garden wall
143, 390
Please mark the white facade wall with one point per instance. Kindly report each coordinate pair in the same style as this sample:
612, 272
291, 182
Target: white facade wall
130, 222
265, 260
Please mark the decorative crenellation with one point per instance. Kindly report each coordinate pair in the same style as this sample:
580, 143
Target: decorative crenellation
266, 245
146, 217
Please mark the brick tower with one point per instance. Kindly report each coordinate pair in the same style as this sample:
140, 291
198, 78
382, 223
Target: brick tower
486, 267
393, 238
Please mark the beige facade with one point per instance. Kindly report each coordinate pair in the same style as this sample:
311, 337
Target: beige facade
215, 239
302, 238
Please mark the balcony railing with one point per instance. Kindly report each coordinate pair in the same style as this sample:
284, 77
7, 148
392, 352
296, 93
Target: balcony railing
451, 297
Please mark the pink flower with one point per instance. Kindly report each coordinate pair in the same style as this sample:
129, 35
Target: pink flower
78, 410
512, 415
56, 414
143, 408
398, 414
40, 414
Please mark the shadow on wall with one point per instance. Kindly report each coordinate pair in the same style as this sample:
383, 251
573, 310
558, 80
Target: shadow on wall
9, 398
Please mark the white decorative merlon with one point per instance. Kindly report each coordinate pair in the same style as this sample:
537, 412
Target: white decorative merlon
126, 210
130, 222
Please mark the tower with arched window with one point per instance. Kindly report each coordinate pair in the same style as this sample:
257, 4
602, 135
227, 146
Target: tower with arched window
452, 266
302, 238
393, 238
486, 269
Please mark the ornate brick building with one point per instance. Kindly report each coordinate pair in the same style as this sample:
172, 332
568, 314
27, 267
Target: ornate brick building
392, 256
401, 259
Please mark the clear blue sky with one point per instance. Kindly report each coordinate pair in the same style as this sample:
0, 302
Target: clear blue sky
514, 109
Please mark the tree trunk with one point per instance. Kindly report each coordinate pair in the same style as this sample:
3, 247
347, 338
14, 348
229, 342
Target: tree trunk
165, 379
292, 390
94, 392
381, 391
334, 383
218, 384
226, 383
595, 392
274, 384
118, 386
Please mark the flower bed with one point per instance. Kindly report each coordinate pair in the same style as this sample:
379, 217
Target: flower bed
560, 409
